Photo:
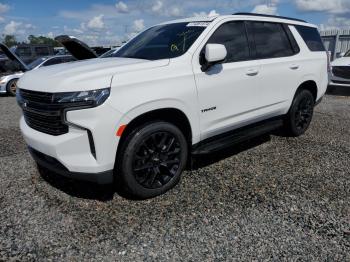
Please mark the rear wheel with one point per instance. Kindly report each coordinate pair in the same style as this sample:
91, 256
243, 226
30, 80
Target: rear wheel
152, 160
11, 87
300, 114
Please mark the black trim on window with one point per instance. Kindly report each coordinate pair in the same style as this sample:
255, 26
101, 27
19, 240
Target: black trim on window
291, 38
252, 46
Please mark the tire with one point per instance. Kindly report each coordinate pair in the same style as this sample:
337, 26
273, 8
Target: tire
300, 114
11, 87
151, 160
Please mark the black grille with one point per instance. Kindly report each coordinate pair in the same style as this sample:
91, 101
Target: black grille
41, 114
342, 71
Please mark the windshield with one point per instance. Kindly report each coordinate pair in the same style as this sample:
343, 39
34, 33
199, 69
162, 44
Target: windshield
37, 62
163, 41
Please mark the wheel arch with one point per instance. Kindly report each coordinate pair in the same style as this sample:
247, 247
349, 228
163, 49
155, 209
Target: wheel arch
10, 81
172, 115
309, 85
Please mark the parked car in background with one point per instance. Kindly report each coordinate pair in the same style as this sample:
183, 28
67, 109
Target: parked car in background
13, 66
181, 88
8, 83
100, 50
109, 53
340, 73
76, 48
61, 51
29, 52
81, 50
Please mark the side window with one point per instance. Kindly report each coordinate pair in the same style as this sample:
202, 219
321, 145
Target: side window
271, 40
311, 37
233, 36
53, 61
292, 40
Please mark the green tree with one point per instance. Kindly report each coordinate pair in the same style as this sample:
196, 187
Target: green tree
42, 40
9, 40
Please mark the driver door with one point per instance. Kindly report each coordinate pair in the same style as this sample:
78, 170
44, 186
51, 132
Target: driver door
228, 92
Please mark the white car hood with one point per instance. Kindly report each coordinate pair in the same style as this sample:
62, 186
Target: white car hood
83, 75
344, 61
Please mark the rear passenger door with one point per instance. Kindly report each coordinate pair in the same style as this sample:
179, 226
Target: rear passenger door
280, 65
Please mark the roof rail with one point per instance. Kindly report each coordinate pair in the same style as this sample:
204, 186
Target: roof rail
273, 16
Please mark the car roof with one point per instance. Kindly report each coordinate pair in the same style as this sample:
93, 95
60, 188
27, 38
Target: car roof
243, 16
192, 19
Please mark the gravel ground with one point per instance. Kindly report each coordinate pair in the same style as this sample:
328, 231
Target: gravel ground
273, 198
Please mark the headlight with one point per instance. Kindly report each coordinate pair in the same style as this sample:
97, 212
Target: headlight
91, 98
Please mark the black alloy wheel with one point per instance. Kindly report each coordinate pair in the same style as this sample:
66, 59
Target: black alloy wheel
151, 160
304, 113
300, 115
157, 160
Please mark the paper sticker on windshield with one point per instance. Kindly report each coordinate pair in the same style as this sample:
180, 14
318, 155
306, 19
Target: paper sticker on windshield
198, 24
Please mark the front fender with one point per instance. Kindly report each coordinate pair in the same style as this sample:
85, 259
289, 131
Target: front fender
139, 110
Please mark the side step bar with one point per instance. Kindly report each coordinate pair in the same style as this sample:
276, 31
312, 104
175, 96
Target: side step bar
237, 136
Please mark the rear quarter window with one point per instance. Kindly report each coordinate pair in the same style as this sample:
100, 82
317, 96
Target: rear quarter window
311, 37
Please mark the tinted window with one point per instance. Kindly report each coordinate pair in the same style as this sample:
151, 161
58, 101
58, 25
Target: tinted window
161, 42
291, 38
41, 51
233, 36
53, 61
311, 37
271, 40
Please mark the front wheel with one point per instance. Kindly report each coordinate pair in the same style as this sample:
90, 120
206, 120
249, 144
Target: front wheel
152, 160
300, 114
11, 87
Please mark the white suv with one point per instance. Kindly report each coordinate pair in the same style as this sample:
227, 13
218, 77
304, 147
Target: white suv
181, 88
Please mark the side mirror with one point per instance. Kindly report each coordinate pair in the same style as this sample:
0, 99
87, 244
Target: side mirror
214, 53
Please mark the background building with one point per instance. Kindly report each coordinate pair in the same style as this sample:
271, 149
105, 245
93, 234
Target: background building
336, 41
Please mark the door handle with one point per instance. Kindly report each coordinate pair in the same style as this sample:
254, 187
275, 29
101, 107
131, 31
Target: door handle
252, 72
294, 67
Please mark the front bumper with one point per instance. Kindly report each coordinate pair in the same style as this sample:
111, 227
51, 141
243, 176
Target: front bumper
87, 150
338, 81
55, 166
3, 89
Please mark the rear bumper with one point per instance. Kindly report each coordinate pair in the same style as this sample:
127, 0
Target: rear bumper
55, 166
